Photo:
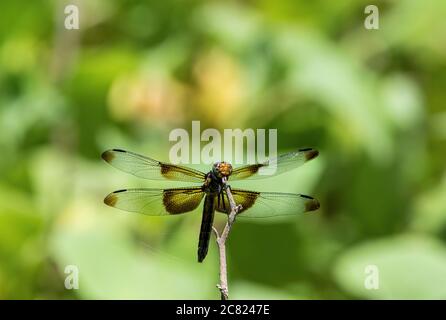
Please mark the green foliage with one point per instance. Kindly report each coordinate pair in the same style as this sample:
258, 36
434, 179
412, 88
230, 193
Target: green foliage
409, 268
371, 101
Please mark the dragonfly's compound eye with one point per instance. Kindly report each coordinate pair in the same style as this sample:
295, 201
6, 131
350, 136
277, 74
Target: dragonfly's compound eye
222, 169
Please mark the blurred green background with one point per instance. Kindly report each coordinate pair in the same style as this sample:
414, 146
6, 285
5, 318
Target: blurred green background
371, 101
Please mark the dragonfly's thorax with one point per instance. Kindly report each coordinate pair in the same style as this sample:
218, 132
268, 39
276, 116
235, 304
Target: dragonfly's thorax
213, 184
214, 179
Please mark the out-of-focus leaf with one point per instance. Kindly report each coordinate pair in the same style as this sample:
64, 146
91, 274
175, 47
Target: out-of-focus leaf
438, 124
402, 101
53, 176
20, 244
232, 25
430, 209
110, 266
409, 267
417, 25
321, 72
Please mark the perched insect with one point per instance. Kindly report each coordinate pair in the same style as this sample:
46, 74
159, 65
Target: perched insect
156, 202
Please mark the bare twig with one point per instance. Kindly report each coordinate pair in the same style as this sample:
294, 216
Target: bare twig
221, 241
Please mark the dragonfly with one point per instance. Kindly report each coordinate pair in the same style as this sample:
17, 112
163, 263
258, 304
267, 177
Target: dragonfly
173, 201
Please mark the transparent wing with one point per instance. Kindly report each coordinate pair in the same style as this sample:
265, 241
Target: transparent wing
268, 204
274, 166
156, 202
147, 168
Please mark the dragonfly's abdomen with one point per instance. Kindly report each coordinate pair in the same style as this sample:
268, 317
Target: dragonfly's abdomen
206, 226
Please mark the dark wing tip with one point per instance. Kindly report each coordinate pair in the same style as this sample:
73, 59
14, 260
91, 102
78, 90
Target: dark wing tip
111, 199
310, 153
311, 204
107, 155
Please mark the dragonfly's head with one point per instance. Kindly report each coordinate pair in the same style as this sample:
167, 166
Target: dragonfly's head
222, 169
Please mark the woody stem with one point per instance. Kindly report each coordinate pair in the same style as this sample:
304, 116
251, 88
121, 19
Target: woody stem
221, 241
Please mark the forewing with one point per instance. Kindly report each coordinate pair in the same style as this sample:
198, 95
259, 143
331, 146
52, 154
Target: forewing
147, 168
274, 166
268, 204
156, 202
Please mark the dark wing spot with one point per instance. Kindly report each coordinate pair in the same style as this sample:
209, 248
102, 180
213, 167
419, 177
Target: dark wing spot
166, 170
171, 172
311, 204
310, 153
111, 199
244, 198
246, 201
107, 156
119, 150
246, 172
180, 201
255, 168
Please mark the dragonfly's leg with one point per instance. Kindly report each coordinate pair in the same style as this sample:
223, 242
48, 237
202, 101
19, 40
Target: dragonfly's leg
222, 197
